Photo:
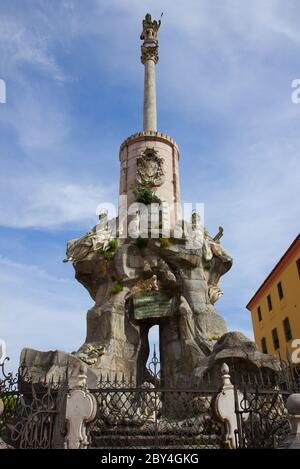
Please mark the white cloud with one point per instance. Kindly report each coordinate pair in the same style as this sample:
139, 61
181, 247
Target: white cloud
37, 309
46, 202
38, 119
21, 45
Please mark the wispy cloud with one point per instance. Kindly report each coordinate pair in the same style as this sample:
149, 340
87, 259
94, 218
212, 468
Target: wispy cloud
38, 315
22, 46
47, 203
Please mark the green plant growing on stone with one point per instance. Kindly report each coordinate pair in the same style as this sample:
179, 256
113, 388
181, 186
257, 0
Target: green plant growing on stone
112, 245
206, 264
10, 403
141, 242
144, 194
165, 242
108, 252
116, 288
107, 255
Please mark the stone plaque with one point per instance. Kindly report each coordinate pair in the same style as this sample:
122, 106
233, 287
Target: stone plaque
153, 304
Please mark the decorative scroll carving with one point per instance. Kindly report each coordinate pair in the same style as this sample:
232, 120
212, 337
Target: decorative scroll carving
90, 353
150, 168
81, 407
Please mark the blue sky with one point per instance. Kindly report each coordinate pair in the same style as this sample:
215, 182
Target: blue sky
74, 93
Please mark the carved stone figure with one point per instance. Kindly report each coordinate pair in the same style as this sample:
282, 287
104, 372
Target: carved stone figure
94, 240
89, 353
145, 286
149, 48
150, 28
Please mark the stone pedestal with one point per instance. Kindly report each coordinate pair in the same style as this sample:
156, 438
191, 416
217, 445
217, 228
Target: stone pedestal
165, 185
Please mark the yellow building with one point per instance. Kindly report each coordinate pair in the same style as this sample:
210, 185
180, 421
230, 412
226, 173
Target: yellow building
275, 307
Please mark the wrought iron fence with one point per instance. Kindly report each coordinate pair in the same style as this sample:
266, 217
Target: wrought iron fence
260, 404
150, 415
9, 395
29, 417
261, 418
154, 417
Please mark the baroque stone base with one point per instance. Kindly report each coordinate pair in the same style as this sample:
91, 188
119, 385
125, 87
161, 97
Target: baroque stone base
233, 348
126, 281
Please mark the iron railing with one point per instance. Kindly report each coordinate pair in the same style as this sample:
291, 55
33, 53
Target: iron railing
30, 415
154, 417
150, 415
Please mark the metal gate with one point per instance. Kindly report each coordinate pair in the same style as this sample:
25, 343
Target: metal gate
151, 416
262, 417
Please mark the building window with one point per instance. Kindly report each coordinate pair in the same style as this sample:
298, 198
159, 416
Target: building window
298, 266
280, 290
264, 345
269, 300
275, 339
287, 329
259, 314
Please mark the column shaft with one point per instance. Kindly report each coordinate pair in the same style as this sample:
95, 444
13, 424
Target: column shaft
150, 119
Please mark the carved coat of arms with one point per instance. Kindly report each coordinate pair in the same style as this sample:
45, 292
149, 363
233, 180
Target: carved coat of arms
150, 168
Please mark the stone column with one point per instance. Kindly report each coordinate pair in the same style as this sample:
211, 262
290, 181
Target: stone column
150, 118
149, 58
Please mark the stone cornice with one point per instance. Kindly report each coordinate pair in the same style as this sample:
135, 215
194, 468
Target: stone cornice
149, 135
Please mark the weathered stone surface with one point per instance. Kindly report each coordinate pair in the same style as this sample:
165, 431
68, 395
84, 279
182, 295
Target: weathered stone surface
239, 351
193, 336
117, 338
210, 325
53, 366
236, 347
235, 340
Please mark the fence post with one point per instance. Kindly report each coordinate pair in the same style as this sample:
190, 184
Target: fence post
292, 441
81, 408
225, 408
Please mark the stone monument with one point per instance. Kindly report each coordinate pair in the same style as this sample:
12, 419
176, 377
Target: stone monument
150, 267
